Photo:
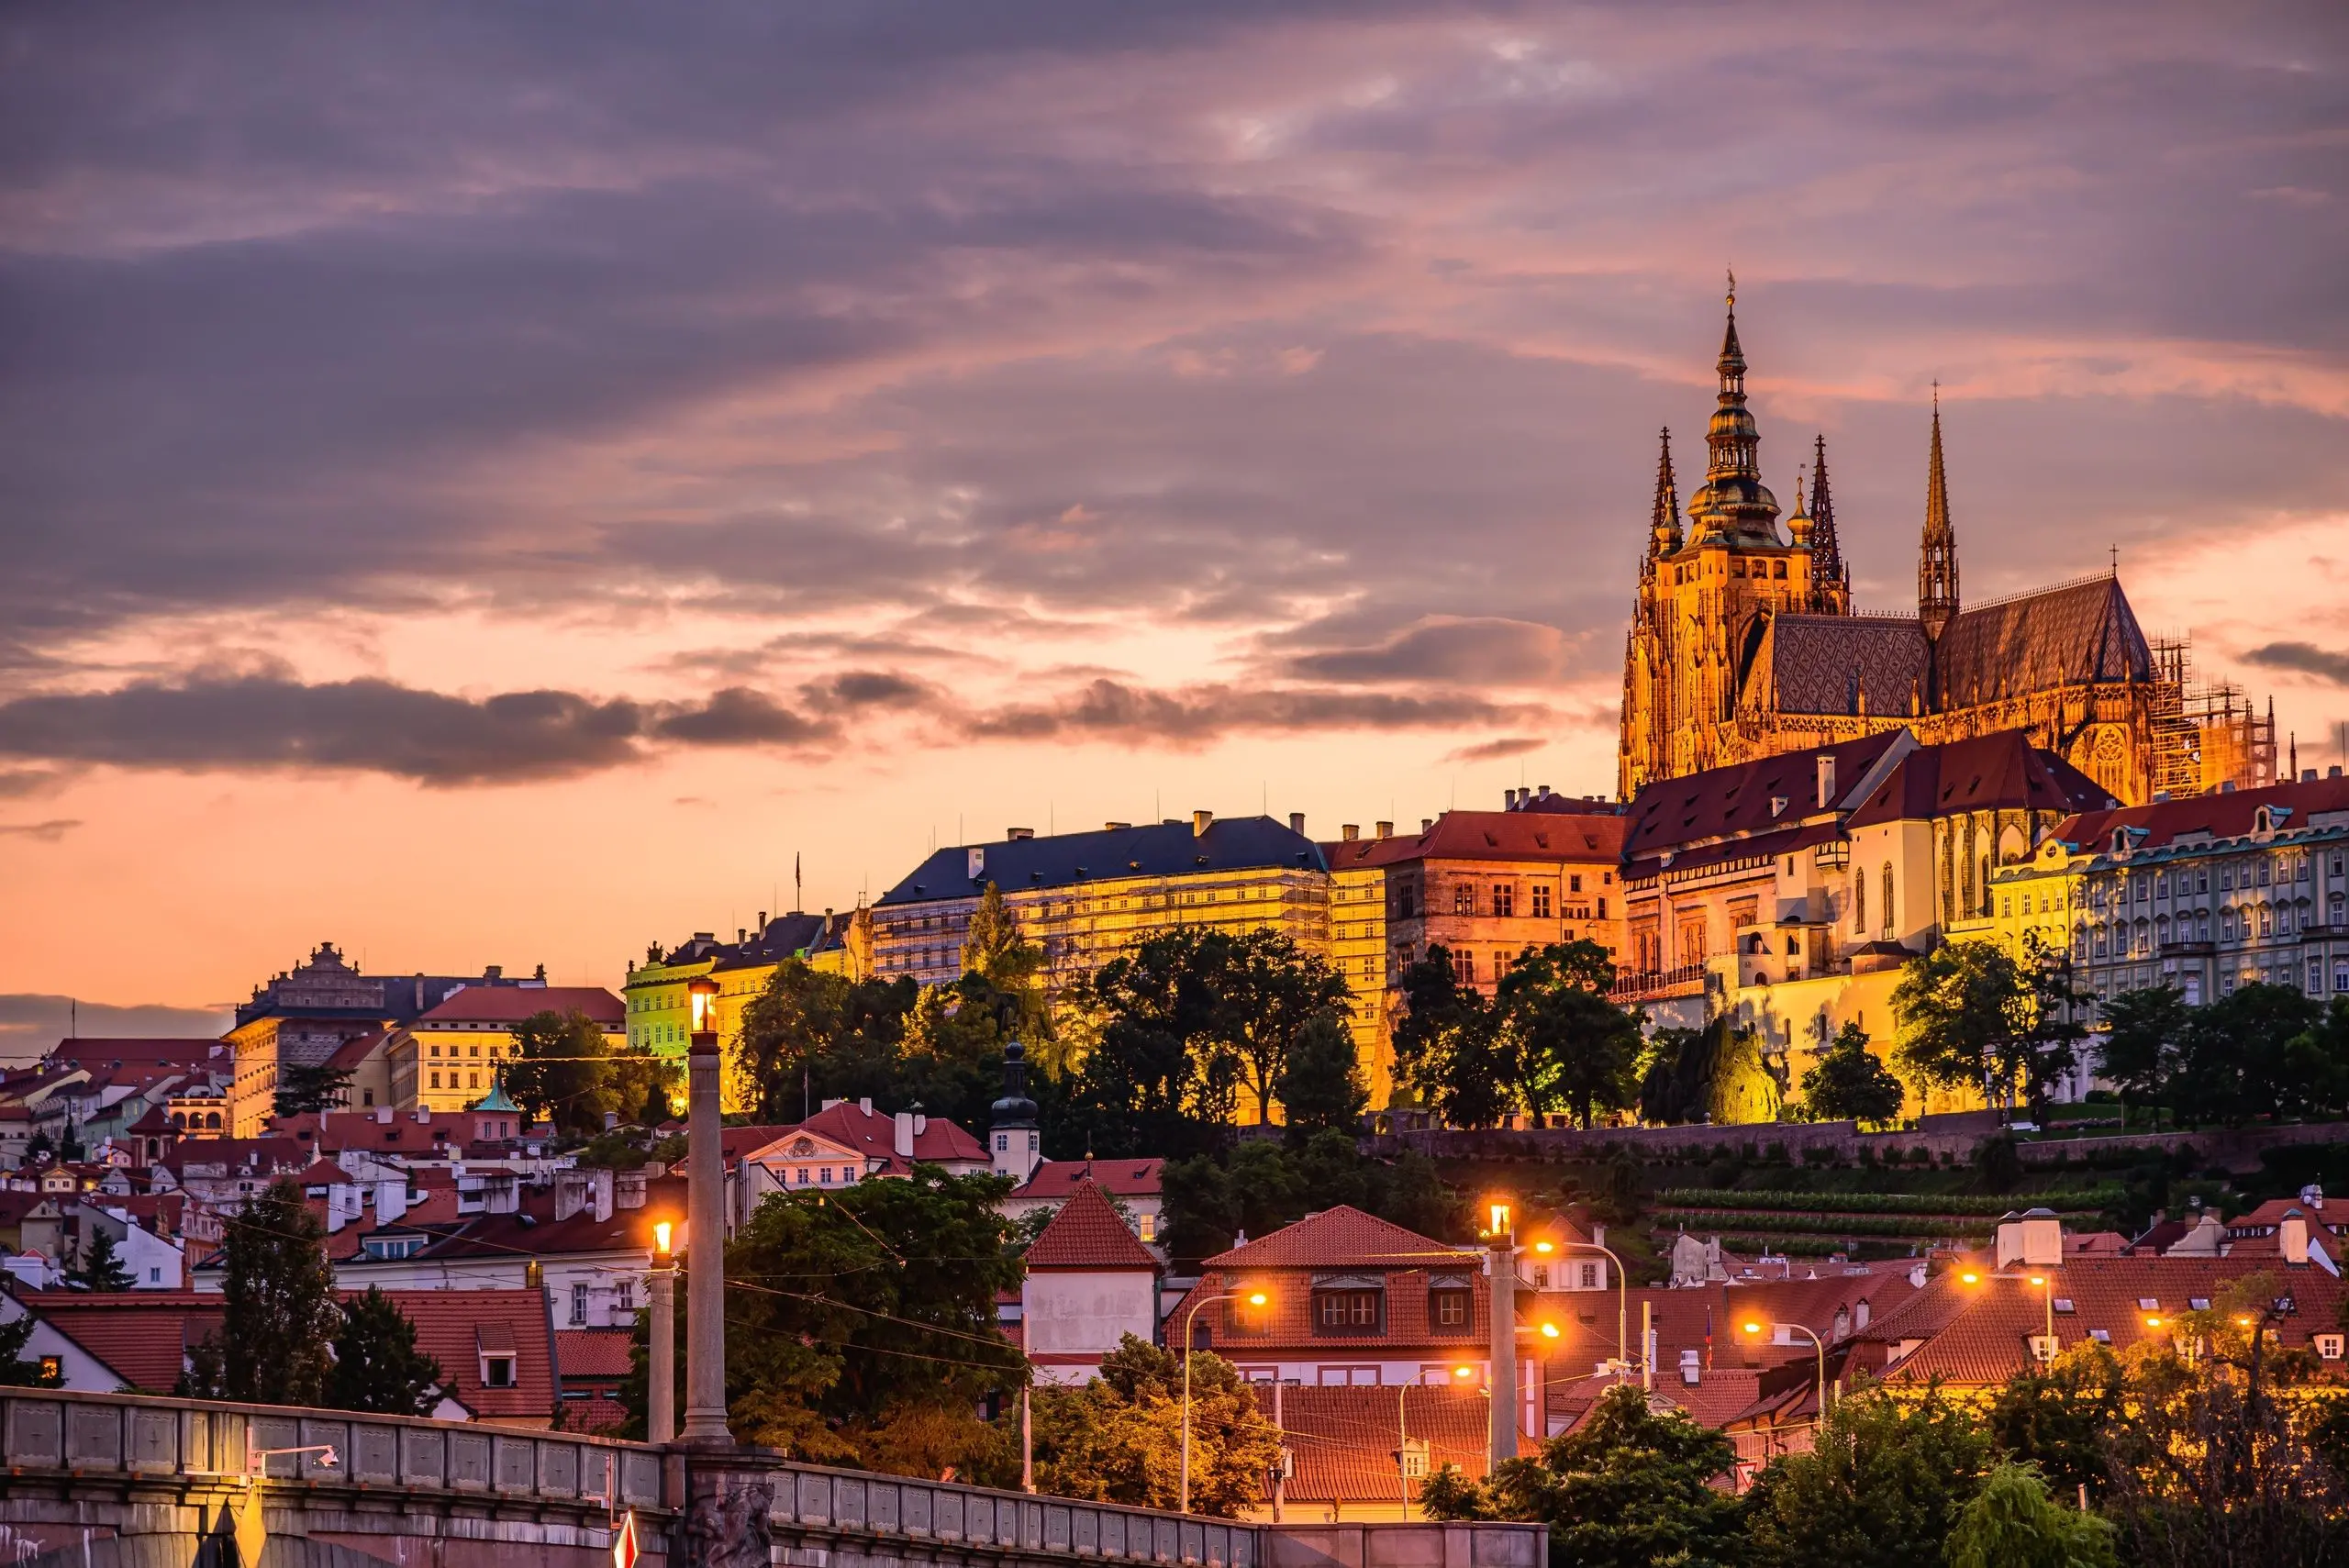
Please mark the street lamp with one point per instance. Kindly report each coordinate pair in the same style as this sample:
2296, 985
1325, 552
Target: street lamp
1818, 1343
706, 1220
1622, 1303
1501, 1240
1191, 1311
660, 1287
2045, 1282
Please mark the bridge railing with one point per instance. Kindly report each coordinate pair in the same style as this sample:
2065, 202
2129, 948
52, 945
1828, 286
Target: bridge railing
47, 1428
811, 1498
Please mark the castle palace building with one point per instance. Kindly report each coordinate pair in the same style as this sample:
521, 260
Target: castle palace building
1743, 643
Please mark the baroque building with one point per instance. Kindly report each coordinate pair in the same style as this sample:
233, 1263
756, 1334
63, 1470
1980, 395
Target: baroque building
1744, 643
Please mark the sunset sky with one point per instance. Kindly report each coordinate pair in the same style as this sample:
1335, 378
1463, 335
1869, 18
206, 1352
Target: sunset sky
493, 484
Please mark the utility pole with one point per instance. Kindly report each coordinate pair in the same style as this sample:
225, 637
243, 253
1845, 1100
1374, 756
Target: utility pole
705, 1232
1280, 1428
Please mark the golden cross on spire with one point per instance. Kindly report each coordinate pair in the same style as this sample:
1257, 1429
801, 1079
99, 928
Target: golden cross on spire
1733, 288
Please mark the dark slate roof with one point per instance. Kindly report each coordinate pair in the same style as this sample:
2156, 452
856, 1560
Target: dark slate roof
2061, 636
795, 935
1736, 799
1840, 664
1982, 773
1164, 848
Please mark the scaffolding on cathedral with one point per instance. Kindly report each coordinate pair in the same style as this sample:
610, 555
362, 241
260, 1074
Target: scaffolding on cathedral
2207, 736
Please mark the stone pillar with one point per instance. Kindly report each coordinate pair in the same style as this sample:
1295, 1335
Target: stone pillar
705, 1284
1505, 1417
661, 1396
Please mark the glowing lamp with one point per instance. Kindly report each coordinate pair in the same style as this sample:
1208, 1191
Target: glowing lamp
2038, 1279
1257, 1300
1464, 1372
1496, 1212
703, 991
1543, 1246
1753, 1328
661, 1229
1970, 1277
2152, 1322
1549, 1330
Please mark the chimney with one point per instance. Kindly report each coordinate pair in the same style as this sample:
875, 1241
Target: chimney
763, 922
865, 1105
383, 1116
2292, 1237
1509, 800
501, 1192
2033, 1239
495, 972
1542, 790
741, 935
901, 1135
1199, 820
1296, 822
601, 1188
391, 1199
572, 1193
627, 1188
921, 1124
1350, 831
1387, 829
828, 1105
1427, 824
1826, 783
423, 1117
2312, 1196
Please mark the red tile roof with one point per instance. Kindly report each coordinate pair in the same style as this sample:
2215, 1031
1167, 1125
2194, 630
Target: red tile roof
454, 1326
140, 1335
1125, 1178
1735, 799
599, 1354
1984, 1330
1344, 1438
1984, 772
512, 1004
2227, 815
95, 1052
1345, 1238
1492, 835
1087, 1234
871, 1134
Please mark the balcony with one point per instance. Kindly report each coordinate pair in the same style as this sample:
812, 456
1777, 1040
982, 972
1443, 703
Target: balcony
1688, 980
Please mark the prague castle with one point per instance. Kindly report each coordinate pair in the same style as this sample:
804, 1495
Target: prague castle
1744, 643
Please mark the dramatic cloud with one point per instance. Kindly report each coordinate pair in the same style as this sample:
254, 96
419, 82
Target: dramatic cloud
1470, 653
46, 832
2305, 658
1495, 751
1110, 710
264, 721
32, 1022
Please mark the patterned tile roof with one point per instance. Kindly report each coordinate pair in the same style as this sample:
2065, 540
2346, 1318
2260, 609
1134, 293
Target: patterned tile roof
1842, 665
1344, 1237
1344, 1438
1087, 1234
1164, 848
593, 1354
2062, 636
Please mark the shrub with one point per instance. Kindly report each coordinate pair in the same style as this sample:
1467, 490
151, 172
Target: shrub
1776, 1152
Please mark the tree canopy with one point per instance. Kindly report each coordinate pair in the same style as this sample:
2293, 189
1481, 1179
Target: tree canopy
1848, 1083
280, 1317
1551, 1038
1119, 1439
376, 1364
566, 1071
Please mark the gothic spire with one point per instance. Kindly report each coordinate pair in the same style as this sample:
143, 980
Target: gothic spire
1664, 528
1733, 502
1826, 556
1732, 360
1937, 599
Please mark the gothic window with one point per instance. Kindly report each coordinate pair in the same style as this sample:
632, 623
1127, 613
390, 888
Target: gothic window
1887, 917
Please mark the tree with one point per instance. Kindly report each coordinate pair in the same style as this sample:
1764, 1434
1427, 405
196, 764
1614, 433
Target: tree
1119, 1439
1850, 1082
1445, 1044
1012, 970
2013, 1523
2145, 1032
377, 1367
1565, 1042
2057, 1418
1321, 1084
1162, 1079
1626, 1489
1258, 1187
560, 1070
1269, 993
2251, 1052
1965, 1010
16, 1370
311, 1089
1882, 1489
280, 1315
100, 1267
851, 1313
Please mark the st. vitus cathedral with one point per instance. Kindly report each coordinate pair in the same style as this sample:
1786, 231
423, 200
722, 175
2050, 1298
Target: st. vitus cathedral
1744, 643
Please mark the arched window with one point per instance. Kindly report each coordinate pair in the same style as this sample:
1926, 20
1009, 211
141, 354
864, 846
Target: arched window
1888, 916
1860, 904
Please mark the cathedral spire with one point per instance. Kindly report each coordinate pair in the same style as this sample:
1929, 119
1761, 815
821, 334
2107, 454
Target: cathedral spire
1732, 360
1664, 527
1937, 566
1826, 555
1732, 501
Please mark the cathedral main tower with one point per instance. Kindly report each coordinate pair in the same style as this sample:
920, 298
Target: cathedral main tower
1708, 590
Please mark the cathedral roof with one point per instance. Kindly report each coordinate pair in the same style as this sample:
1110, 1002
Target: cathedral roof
1765, 796
2038, 641
1842, 665
2034, 643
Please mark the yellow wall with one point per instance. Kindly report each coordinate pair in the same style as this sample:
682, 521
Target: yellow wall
1358, 947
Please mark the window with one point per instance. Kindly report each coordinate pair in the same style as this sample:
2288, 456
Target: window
1149, 1223
1504, 899
578, 1304
824, 1176
1574, 881
154, 1276
1403, 902
435, 1080
1541, 900
1448, 1300
497, 1372
1589, 1276
1464, 968
1348, 1311
1463, 900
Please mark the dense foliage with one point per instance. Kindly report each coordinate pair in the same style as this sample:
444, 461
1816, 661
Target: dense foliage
564, 1071
1549, 1040
1261, 1186
1119, 1439
1973, 1014
1848, 1083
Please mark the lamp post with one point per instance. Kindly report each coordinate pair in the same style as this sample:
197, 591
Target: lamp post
1818, 1343
1501, 1429
1622, 1299
706, 1223
1190, 1313
661, 1286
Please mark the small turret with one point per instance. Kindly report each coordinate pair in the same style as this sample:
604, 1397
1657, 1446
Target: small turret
1664, 527
1011, 1132
1937, 601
